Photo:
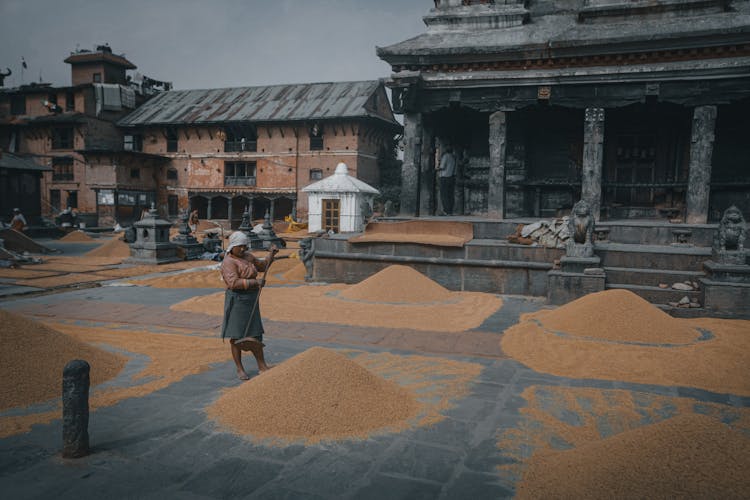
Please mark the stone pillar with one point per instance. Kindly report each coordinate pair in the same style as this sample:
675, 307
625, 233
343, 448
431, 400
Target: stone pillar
208, 207
593, 159
273, 209
229, 210
75, 399
427, 187
412, 161
699, 177
498, 140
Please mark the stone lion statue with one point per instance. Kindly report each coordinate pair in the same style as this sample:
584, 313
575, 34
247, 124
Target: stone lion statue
581, 229
732, 231
306, 254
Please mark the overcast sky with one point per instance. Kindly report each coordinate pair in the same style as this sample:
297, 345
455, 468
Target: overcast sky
209, 43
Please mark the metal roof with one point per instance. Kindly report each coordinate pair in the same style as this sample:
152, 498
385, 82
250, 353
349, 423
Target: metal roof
275, 103
15, 162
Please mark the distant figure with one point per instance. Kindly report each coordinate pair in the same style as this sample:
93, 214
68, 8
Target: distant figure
447, 172
66, 218
193, 222
18, 222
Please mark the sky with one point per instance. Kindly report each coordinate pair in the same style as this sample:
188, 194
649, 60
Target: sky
209, 43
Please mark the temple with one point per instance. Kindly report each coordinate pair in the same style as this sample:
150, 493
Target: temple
635, 106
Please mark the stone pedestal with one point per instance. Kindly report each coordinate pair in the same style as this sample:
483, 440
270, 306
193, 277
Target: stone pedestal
187, 246
247, 228
268, 236
562, 287
152, 245
726, 288
579, 264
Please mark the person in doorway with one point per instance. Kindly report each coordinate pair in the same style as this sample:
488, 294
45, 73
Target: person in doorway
18, 222
447, 174
193, 222
242, 323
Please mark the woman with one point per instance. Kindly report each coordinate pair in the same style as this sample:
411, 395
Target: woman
242, 323
193, 222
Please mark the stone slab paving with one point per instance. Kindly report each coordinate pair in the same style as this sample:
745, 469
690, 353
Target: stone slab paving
162, 445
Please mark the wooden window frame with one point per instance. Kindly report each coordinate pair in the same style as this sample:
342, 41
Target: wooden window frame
331, 212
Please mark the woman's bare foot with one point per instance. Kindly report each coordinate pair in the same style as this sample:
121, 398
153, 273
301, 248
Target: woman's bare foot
265, 368
242, 375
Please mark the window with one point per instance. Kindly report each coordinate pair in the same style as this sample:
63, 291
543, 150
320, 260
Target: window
239, 173
54, 199
97, 77
62, 138
73, 199
331, 215
133, 143
135, 173
172, 141
70, 101
316, 138
172, 205
172, 174
316, 174
18, 105
105, 197
240, 138
62, 169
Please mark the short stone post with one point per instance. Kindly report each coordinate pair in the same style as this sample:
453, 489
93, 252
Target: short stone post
76, 409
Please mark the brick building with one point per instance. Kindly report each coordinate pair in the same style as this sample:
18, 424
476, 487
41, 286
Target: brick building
69, 128
257, 147
640, 107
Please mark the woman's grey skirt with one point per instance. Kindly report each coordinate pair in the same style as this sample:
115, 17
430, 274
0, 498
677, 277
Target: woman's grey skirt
237, 308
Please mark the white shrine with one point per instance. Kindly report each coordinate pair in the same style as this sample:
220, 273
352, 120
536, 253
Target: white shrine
339, 203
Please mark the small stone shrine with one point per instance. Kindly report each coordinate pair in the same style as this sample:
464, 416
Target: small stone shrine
268, 236
187, 246
152, 245
580, 272
247, 228
727, 282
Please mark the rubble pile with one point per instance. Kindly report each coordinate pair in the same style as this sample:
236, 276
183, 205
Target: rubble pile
547, 233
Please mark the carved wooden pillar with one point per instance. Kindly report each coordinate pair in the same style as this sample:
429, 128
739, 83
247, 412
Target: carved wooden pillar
412, 160
427, 202
229, 211
210, 200
699, 176
593, 158
498, 141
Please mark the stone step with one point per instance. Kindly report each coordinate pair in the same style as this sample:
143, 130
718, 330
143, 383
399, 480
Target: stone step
650, 277
656, 295
652, 256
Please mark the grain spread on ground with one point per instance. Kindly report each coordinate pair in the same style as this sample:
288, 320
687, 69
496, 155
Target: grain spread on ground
116, 247
59, 281
296, 273
387, 286
77, 236
140, 270
720, 363
322, 395
171, 358
594, 443
26, 273
207, 278
321, 304
32, 358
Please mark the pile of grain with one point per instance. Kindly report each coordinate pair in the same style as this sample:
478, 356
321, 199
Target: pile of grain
397, 284
691, 456
33, 356
672, 356
172, 357
77, 236
316, 395
619, 315
116, 247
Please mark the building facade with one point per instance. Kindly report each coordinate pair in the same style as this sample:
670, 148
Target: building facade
70, 129
639, 107
255, 148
